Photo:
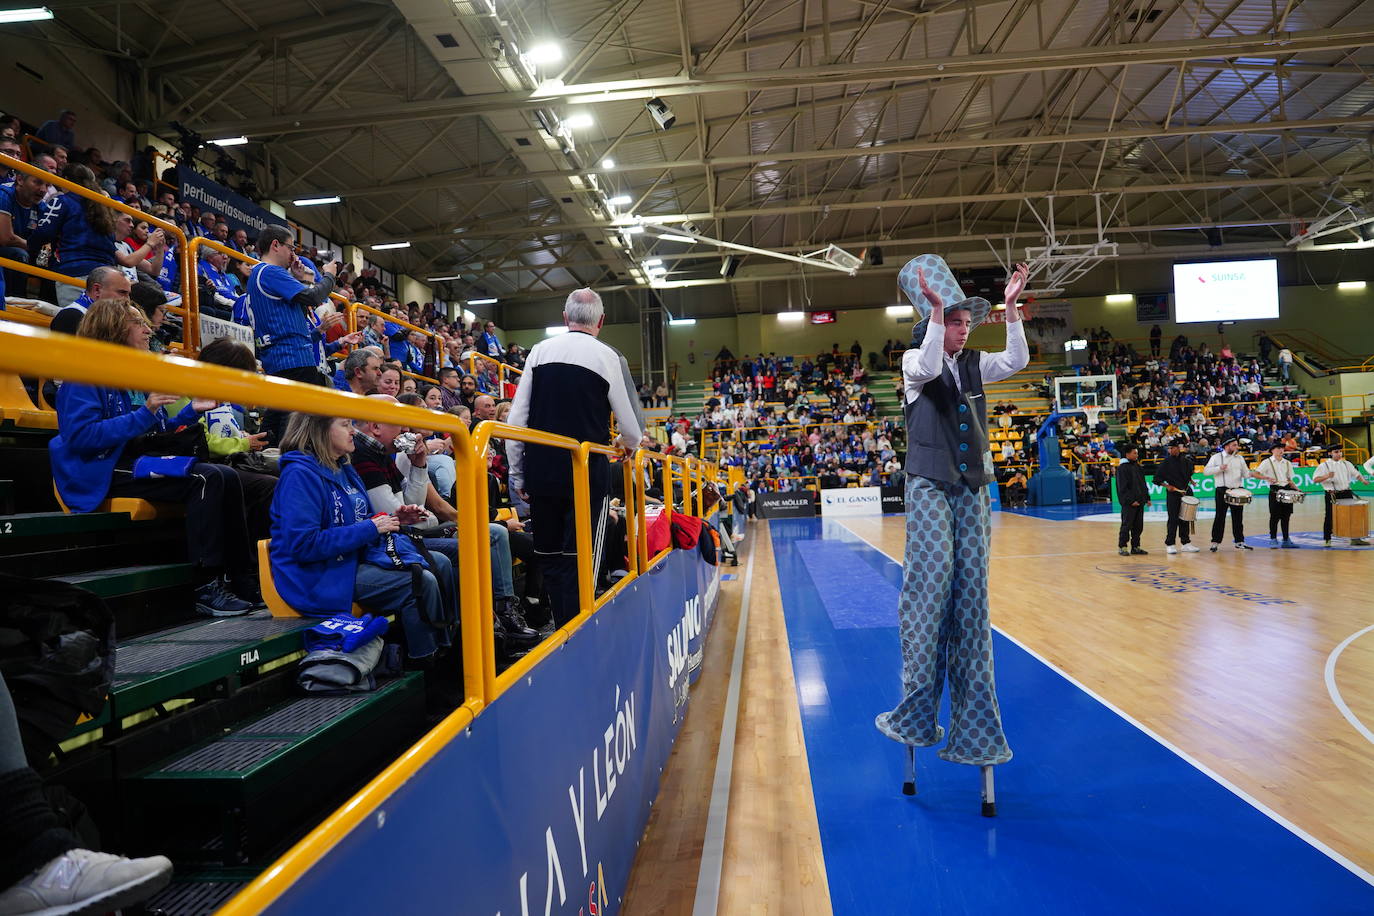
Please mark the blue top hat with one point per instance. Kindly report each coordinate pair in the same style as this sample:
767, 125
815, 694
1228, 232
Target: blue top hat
941, 280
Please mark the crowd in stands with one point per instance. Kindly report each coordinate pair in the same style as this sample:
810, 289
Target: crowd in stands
782, 419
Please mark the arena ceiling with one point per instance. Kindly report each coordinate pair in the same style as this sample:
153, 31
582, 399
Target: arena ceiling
955, 127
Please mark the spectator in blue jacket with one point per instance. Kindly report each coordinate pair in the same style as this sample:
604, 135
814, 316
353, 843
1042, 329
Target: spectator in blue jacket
96, 455
82, 230
329, 549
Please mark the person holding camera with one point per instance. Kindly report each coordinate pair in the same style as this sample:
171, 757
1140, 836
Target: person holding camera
283, 292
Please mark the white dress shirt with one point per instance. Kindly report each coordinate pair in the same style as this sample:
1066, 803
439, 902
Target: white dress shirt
1229, 470
928, 361
1342, 473
1280, 470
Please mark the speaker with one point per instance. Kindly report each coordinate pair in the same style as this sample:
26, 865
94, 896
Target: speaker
729, 265
663, 115
875, 255
1213, 236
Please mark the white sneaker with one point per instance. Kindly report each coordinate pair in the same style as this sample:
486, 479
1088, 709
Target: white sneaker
1190, 548
82, 881
1171, 549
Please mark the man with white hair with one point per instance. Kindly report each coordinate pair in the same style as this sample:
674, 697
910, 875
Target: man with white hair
571, 385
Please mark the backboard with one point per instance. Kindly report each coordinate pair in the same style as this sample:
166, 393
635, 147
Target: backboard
1087, 394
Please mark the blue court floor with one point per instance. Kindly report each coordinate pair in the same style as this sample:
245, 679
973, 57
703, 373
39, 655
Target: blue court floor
1095, 816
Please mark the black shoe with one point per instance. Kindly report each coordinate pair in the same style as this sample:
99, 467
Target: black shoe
1137, 552
1241, 545
214, 600
516, 642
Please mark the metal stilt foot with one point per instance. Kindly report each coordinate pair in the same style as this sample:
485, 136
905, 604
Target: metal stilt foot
909, 786
989, 796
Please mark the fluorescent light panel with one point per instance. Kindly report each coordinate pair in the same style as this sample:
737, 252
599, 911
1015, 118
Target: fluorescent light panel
899, 311
230, 141
441, 279
608, 163
316, 201
682, 322
546, 53
28, 14
481, 302
1350, 285
578, 120
677, 238
791, 317
1121, 298
389, 245
622, 200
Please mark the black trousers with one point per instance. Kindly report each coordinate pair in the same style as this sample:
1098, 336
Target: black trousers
216, 530
1237, 520
1330, 497
274, 421
1279, 515
1132, 524
554, 519
1177, 527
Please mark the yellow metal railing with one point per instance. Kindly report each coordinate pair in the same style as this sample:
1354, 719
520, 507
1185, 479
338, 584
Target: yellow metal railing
187, 309
351, 311
23, 349
505, 375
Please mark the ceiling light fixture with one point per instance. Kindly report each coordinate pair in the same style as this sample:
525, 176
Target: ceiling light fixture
546, 53
1120, 298
482, 302
315, 201
653, 262
900, 311
621, 200
681, 322
29, 14
442, 279
229, 141
676, 238
389, 245
608, 163
791, 317
578, 120
1349, 286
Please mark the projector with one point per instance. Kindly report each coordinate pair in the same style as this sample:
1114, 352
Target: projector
841, 258
663, 115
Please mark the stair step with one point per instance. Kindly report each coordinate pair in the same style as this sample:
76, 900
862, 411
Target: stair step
183, 660
51, 557
40, 524
118, 581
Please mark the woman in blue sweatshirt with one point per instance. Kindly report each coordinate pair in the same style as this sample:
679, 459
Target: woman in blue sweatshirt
91, 462
329, 550
82, 230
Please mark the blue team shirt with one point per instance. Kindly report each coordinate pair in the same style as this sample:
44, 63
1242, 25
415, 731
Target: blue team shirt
287, 334
21, 217
80, 248
167, 276
222, 284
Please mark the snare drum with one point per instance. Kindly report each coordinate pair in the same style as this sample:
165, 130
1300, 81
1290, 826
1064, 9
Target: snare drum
1238, 496
1291, 497
1187, 509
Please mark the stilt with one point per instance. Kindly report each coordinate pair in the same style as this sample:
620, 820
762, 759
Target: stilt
989, 798
909, 786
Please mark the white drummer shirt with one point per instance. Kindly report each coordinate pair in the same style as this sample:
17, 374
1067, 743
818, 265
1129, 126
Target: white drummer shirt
1281, 470
1342, 473
1229, 470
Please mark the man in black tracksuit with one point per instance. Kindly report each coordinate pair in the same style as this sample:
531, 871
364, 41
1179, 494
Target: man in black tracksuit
1175, 475
1133, 495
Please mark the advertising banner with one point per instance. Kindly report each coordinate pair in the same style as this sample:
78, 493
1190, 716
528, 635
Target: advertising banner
1205, 488
236, 210
894, 500
538, 807
852, 501
798, 504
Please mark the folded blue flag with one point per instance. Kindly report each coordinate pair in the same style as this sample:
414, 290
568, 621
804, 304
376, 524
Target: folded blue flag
147, 466
344, 632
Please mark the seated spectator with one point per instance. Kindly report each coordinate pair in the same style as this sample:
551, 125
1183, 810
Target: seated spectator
217, 286
361, 371
104, 432
82, 230
19, 210
329, 549
135, 251
101, 283
152, 301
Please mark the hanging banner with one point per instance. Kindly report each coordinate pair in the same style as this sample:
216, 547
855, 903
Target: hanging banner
237, 211
212, 328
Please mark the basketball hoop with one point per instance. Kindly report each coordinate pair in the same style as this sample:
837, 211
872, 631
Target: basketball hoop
1092, 413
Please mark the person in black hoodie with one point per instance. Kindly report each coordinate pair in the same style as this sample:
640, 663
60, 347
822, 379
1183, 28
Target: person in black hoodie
1133, 495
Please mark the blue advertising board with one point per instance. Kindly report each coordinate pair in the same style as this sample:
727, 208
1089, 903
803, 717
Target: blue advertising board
237, 211
539, 806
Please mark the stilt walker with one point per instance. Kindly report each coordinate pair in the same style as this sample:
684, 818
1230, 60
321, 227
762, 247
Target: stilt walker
944, 627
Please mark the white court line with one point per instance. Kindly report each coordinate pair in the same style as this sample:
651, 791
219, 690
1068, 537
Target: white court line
1335, 691
713, 847
1225, 783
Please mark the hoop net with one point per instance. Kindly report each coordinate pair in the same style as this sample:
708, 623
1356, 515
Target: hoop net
1092, 413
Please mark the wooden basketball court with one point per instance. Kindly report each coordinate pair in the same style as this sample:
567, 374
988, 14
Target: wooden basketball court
1253, 668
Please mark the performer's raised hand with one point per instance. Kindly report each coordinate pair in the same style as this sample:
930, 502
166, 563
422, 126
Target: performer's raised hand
937, 305
1015, 284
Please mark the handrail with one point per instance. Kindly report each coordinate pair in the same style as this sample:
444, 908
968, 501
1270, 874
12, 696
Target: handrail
1137, 415
41, 272
191, 334
502, 370
351, 310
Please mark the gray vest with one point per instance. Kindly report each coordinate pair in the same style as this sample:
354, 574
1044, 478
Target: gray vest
946, 432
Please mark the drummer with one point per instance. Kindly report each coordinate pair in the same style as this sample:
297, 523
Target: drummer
1175, 474
1278, 471
1230, 472
1336, 475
